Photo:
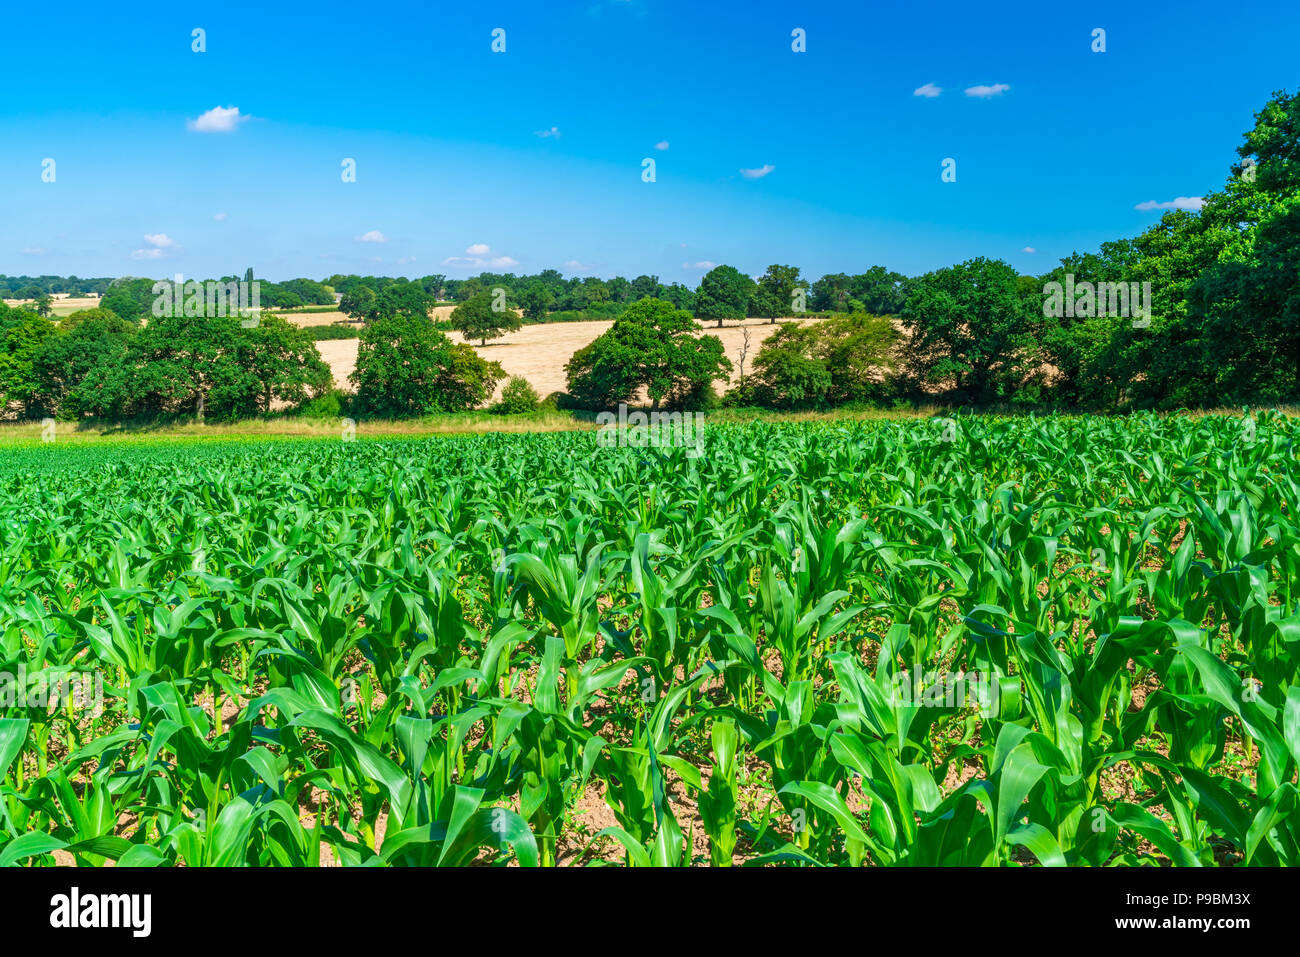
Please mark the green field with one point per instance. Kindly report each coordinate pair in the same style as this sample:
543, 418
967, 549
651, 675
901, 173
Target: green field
979, 641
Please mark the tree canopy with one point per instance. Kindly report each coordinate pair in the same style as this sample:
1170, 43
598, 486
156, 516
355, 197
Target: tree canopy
654, 346
775, 292
970, 330
479, 318
406, 367
822, 364
724, 293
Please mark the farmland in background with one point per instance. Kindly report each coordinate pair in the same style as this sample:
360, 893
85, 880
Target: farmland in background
539, 351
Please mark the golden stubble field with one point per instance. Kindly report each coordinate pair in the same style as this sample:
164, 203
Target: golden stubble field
539, 352
63, 304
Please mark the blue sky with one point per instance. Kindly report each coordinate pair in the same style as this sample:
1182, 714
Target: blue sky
454, 175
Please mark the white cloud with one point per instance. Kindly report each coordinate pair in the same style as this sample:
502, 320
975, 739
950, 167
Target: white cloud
221, 217
577, 266
480, 255
929, 90
159, 243
552, 133
34, 251
1030, 249
997, 89
661, 145
219, 119
702, 264
373, 236
757, 173
1178, 202
405, 260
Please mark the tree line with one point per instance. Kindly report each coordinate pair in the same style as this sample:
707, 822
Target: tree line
33, 287
723, 293
131, 297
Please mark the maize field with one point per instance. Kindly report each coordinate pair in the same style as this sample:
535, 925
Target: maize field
980, 642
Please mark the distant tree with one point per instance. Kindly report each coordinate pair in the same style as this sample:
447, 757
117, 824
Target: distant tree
505, 280
403, 299
552, 280
96, 314
22, 333
971, 330
283, 358
129, 298
821, 364
620, 290
645, 287
830, 293
43, 305
594, 291
86, 339
763, 304
861, 352
346, 284
358, 302
517, 397
789, 371
207, 366
1073, 345
724, 293
175, 365
406, 367
651, 345
308, 291
466, 289
602, 373
775, 294
571, 297
279, 298
477, 318
433, 284
879, 291
682, 297
536, 298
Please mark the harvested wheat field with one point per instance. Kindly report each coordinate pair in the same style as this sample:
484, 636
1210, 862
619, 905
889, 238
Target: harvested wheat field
437, 313
539, 352
62, 304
